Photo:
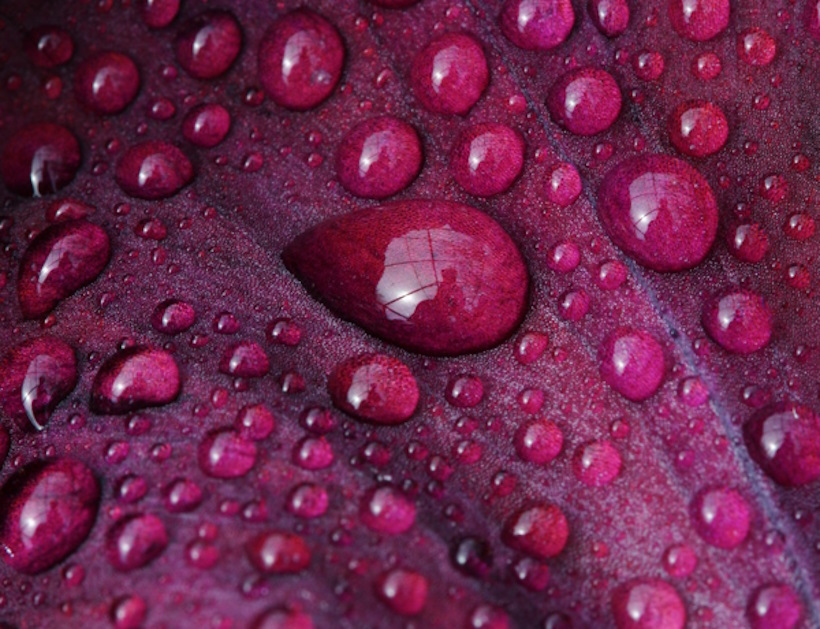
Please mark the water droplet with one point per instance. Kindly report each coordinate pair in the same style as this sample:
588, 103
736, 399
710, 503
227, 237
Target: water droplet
208, 44
107, 82
701, 20
698, 128
173, 316
537, 24
540, 531
182, 495
530, 346
39, 159
449, 75
573, 305
48, 46
206, 125
379, 157
308, 500
738, 320
563, 184
679, 560
531, 574
774, 606
585, 101
539, 441
632, 362
707, 66
431, 276
721, 516
784, 440
596, 463
135, 378
46, 512
300, 60
611, 17
648, 65
278, 552
403, 591
135, 541
693, 392
313, 453
756, 47
488, 617
385, 509
747, 242
255, 422
153, 170
244, 360
158, 13
374, 387
225, 453
464, 391
660, 211
647, 604
62, 259
487, 159
473, 556
35, 376
128, 612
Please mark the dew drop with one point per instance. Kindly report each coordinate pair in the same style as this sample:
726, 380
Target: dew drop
632, 362
300, 60
487, 159
449, 75
774, 606
173, 316
208, 44
488, 617
313, 453
540, 531
308, 501
701, 20
586, 101
385, 509
647, 604
206, 125
563, 184
756, 47
46, 512
62, 259
153, 170
464, 391
530, 346
39, 159
747, 242
244, 360
738, 320
660, 211
255, 422
135, 541
182, 495
707, 66
48, 46
596, 463
278, 552
379, 157
698, 128
473, 556
128, 612
158, 13
679, 561
134, 378
224, 453
611, 17
649, 65
721, 516
538, 441
403, 591
107, 82
537, 24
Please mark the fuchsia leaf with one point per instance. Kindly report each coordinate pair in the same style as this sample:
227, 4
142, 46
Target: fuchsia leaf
433, 313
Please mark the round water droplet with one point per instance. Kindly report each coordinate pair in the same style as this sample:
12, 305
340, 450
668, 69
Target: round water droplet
488, 617
632, 362
206, 125
537, 24
244, 360
48, 46
62, 259
747, 242
128, 612
538, 441
158, 13
774, 606
487, 159
208, 44
379, 157
564, 257
699, 20
647, 604
660, 211
385, 509
107, 82
39, 159
449, 75
46, 512
756, 47
738, 320
431, 276
308, 501
35, 376
530, 346
464, 391
153, 170
135, 541
707, 66
374, 387
173, 316
585, 101
135, 378
300, 60
403, 591
224, 453
563, 184
313, 453
698, 128
596, 463
182, 495
648, 65
784, 440
573, 305
540, 531
721, 516
611, 17
255, 422
278, 552
679, 561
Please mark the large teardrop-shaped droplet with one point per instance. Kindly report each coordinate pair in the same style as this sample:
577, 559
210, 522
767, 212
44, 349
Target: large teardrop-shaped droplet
134, 378
432, 276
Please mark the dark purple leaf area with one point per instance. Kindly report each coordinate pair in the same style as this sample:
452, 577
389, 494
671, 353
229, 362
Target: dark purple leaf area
199, 475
